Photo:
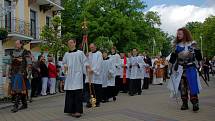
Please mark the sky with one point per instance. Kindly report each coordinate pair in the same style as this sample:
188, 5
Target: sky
176, 13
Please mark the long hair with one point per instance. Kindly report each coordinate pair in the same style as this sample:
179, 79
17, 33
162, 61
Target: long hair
187, 36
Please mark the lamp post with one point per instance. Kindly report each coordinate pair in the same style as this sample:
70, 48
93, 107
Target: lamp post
154, 44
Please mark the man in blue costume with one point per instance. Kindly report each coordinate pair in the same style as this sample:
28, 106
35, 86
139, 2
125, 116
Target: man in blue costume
183, 67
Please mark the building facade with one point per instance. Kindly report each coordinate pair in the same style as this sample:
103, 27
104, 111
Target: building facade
24, 20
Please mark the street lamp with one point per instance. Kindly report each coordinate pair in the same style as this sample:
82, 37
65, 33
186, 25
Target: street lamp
154, 44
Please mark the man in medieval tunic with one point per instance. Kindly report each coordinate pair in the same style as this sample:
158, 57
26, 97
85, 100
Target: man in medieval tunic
19, 82
184, 74
74, 63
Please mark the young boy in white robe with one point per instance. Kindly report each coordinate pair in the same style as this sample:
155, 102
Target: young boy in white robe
136, 63
106, 65
115, 57
74, 62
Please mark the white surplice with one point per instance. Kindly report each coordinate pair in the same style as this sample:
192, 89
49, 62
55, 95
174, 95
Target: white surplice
116, 62
95, 61
136, 65
76, 61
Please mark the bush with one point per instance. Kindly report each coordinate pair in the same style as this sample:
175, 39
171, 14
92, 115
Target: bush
3, 34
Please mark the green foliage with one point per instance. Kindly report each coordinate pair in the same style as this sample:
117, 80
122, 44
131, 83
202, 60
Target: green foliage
206, 30
121, 21
3, 34
104, 43
52, 39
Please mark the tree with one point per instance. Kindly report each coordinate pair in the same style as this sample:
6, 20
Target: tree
209, 36
52, 39
206, 31
123, 22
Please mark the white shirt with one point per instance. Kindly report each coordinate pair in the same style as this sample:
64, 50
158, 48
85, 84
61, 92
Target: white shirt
116, 62
105, 72
95, 61
136, 69
75, 61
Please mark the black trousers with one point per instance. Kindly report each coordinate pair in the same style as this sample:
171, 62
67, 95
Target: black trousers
135, 86
73, 101
117, 84
35, 87
96, 91
111, 91
104, 93
184, 92
39, 84
146, 83
124, 87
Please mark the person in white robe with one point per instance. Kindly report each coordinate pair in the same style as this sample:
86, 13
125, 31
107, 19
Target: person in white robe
124, 70
104, 76
95, 61
136, 63
74, 62
115, 57
146, 71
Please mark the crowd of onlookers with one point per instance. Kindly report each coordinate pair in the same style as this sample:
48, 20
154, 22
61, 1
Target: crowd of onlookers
47, 77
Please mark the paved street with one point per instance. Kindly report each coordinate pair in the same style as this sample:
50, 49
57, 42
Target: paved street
152, 105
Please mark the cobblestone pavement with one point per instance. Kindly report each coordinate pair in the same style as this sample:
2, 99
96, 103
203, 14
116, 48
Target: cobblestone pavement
153, 105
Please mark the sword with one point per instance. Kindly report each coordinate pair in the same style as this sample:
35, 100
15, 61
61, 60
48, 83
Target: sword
200, 73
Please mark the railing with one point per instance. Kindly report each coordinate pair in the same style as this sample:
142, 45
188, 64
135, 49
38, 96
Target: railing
58, 2
17, 26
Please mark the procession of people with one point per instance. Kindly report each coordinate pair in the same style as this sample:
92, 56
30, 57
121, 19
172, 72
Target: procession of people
105, 73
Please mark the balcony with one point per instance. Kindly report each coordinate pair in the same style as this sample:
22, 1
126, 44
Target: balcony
18, 29
45, 5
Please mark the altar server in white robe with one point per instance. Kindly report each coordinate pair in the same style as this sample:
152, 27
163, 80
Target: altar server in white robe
115, 57
95, 61
124, 77
136, 63
106, 65
74, 62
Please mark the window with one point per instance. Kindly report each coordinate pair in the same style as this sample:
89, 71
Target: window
33, 23
7, 5
48, 21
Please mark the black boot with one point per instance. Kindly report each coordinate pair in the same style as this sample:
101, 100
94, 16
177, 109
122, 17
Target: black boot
195, 107
15, 109
24, 102
195, 101
184, 105
16, 104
